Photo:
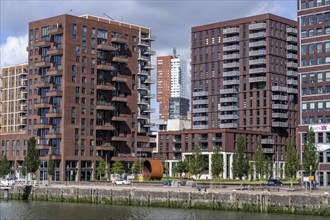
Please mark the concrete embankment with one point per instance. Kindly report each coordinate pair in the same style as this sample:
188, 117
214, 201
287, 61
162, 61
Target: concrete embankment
234, 200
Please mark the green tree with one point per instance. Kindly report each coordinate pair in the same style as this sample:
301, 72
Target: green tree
251, 169
196, 163
5, 166
137, 167
51, 168
291, 161
31, 160
310, 159
117, 168
101, 169
260, 161
181, 167
240, 161
217, 163
268, 167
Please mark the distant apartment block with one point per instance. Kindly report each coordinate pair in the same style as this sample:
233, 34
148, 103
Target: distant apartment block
88, 94
314, 81
172, 87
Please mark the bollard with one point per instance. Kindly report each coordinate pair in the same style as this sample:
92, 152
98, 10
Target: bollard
6, 194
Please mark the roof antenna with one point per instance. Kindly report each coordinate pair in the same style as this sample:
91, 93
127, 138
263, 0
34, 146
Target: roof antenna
174, 51
70, 11
108, 16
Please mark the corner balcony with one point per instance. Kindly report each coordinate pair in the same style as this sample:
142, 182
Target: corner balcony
119, 39
56, 30
43, 82
142, 86
149, 96
119, 79
280, 115
144, 58
292, 39
105, 126
43, 43
103, 105
103, 85
257, 26
257, 35
54, 133
228, 99
228, 91
120, 98
233, 30
291, 56
149, 110
42, 144
22, 110
148, 37
291, 30
143, 73
229, 125
55, 92
230, 39
40, 64
55, 51
120, 59
55, 112
231, 48
231, 65
261, 43
292, 65
280, 124
149, 81
119, 138
55, 71
292, 73
106, 67
231, 82
105, 47
257, 62
150, 52
257, 79
230, 73
228, 117
291, 47
149, 67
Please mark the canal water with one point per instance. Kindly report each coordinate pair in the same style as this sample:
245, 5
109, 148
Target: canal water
34, 210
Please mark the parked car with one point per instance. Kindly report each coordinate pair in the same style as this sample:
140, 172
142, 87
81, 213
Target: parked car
167, 183
7, 182
120, 181
274, 182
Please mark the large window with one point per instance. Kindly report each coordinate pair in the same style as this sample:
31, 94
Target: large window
74, 31
303, 21
319, 77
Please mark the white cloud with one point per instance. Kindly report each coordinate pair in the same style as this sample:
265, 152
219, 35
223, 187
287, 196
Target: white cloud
13, 51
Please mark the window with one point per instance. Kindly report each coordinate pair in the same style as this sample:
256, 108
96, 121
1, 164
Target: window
303, 91
327, 59
327, 89
303, 49
311, 33
311, 106
319, 77
304, 120
311, 3
303, 78
327, 46
327, 2
319, 18
320, 137
327, 30
303, 34
318, 2
311, 78
319, 119
327, 105
327, 76
304, 107
319, 31
303, 5
327, 17
311, 49
319, 60
311, 61
311, 91
319, 106
319, 48
312, 120
74, 31
303, 20
311, 19
303, 63
319, 90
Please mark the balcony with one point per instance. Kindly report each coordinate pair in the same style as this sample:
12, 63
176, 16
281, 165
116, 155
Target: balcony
119, 138
230, 39
292, 82
291, 47
150, 52
104, 85
149, 81
148, 37
42, 144
280, 106
200, 102
292, 39
105, 47
22, 110
231, 48
176, 149
119, 39
291, 30
150, 110
257, 79
55, 51
200, 126
120, 98
231, 73
228, 91
228, 117
43, 82
280, 97
144, 58
258, 35
257, 53
292, 73
142, 86
291, 56
228, 99
105, 126
202, 93
149, 96
40, 64
120, 59
54, 113
279, 124
233, 30
229, 125
228, 108
231, 65
257, 26
119, 79
57, 91
261, 43
268, 150
200, 110
55, 71
257, 70
106, 67
22, 122
279, 88
103, 105
143, 73
231, 56
293, 90
231, 82
149, 66
57, 29
257, 62
43, 43
280, 115
54, 133
292, 65
200, 118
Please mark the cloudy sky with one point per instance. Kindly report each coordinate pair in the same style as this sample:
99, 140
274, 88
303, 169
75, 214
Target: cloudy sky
170, 20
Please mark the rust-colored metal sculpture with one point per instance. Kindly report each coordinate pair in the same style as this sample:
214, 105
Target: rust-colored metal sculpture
152, 170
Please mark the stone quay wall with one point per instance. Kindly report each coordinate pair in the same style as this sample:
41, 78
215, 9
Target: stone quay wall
235, 200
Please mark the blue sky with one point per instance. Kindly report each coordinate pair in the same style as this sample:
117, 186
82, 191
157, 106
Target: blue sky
170, 20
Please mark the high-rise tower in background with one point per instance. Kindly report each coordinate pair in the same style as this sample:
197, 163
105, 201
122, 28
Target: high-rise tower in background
172, 87
88, 95
314, 81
